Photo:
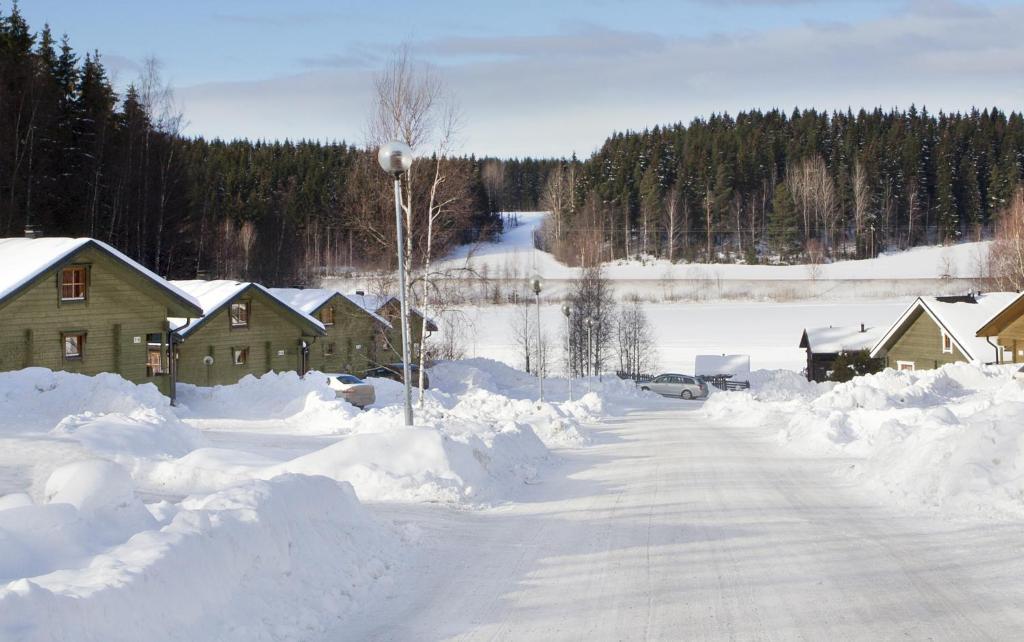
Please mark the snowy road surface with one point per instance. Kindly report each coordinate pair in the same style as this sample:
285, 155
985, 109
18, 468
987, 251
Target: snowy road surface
671, 528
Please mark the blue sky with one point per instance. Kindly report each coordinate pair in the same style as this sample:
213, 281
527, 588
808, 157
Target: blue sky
552, 78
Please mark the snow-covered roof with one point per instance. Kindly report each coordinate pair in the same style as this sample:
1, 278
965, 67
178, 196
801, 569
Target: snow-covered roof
836, 339
1002, 322
213, 295
309, 299
303, 299
737, 365
960, 317
24, 259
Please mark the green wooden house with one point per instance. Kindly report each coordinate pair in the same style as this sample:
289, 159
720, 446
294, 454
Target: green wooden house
354, 335
935, 331
1007, 327
390, 309
79, 305
244, 330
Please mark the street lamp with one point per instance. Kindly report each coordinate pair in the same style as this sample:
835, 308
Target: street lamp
536, 284
395, 158
589, 321
567, 312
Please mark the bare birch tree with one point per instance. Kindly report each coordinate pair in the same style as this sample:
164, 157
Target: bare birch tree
1006, 254
412, 104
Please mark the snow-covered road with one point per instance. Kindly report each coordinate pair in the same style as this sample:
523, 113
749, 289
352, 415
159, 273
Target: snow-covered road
671, 528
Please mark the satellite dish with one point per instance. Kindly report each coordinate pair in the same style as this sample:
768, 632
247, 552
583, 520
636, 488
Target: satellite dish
207, 360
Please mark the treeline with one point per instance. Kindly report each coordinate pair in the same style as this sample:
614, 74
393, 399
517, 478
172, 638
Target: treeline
767, 186
77, 159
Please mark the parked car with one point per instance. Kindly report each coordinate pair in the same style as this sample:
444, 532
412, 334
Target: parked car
677, 385
352, 389
393, 371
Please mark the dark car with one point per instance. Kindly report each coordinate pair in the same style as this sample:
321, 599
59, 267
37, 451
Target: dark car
393, 371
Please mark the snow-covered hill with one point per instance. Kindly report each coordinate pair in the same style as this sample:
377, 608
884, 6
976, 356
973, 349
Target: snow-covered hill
513, 255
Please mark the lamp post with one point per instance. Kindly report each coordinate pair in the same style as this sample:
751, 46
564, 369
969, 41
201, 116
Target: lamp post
567, 312
395, 158
589, 321
536, 284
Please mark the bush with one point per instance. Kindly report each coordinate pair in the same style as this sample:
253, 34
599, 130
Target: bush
854, 364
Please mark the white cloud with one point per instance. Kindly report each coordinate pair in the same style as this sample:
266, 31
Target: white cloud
552, 95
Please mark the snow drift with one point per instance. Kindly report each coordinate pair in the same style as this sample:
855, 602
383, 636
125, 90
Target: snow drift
951, 438
266, 560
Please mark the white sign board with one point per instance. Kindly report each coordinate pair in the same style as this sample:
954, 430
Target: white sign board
737, 365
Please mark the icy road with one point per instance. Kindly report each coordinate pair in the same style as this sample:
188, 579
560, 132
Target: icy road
669, 528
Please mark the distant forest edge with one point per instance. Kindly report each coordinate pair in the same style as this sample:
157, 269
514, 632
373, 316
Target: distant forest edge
764, 186
78, 159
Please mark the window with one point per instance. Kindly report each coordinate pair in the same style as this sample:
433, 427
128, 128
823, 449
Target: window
74, 346
154, 362
154, 354
328, 349
327, 316
240, 356
905, 365
72, 283
240, 314
947, 344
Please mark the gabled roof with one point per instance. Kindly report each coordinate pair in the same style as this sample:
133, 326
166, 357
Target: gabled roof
998, 322
374, 303
958, 317
309, 300
836, 339
23, 260
214, 295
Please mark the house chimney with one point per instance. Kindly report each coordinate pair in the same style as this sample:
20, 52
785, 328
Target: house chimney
862, 328
203, 275
360, 293
32, 232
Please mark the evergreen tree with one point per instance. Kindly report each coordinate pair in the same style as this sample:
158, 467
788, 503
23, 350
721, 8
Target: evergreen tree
784, 224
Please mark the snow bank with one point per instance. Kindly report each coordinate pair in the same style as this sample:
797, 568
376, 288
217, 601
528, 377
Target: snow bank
48, 419
951, 438
267, 560
89, 505
306, 405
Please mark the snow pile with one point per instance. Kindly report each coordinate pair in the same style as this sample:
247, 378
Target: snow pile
304, 405
266, 560
951, 437
89, 505
51, 418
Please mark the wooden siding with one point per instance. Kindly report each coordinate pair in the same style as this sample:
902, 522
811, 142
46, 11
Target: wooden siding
271, 330
121, 308
392, 349
354, 335
1012, 338
921, 343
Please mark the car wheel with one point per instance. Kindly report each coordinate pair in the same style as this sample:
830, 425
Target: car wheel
645, 388
687, 394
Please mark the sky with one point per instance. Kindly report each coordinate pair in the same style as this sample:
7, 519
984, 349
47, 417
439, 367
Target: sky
546, 78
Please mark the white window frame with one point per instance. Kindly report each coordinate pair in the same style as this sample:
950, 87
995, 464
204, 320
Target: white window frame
947, 338
912, 364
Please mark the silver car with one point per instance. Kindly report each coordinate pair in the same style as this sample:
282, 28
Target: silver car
677, 385
352, 389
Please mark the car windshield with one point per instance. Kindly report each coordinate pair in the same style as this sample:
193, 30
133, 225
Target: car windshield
349, 379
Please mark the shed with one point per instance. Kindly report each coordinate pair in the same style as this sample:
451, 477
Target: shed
823, 345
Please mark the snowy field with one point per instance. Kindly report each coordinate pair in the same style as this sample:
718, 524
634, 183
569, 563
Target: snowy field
513, 253
768, 332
